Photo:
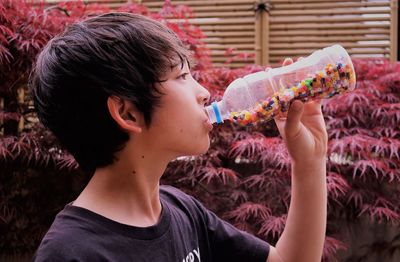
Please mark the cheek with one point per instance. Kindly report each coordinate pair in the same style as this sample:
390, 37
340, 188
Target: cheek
171, 122
180, 133
178, 124
178, 112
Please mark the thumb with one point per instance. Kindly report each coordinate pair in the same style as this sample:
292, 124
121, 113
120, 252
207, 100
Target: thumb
293, 124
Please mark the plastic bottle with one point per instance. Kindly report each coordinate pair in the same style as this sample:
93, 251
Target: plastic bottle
263, 95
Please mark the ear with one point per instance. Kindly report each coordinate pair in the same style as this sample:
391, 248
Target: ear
125, 114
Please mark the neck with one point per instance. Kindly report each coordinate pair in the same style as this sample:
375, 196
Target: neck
128, 190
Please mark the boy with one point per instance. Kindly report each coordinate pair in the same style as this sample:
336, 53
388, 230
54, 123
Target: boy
117, 91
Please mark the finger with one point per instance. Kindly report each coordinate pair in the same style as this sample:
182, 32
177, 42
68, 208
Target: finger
300, 74
268, 68
317, 100
313, 107
287, 61
293, 122
283, 81
280, 124
279, 120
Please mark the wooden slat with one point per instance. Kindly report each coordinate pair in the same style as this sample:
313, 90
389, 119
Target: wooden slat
331, 12
384, 24
102, 2
221, 8
233, 65
226, 46
325, 19
224, 59
265, 31
219, 53
89, 1
299, 39
214, 8
116, 5
217, 21
239, 27
276, 61
229, 34
394, 30
306, 1
228, 40
309, 51
328, 5
199, 2
322, 45
331, 32
224, 14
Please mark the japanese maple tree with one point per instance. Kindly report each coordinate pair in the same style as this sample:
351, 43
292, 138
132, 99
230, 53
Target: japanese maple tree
245, 175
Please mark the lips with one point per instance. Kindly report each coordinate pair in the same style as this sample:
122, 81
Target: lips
208, 124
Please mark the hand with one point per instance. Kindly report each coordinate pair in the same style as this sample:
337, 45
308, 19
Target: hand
304, 130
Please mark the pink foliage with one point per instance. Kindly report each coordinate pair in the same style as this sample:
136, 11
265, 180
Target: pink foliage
245, 175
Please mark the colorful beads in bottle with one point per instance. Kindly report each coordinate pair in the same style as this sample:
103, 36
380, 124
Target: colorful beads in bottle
335, 79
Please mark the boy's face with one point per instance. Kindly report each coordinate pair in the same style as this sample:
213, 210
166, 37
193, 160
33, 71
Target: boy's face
180, 125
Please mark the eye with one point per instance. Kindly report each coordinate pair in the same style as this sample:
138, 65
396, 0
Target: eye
183, 76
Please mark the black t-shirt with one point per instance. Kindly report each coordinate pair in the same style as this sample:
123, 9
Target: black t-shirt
186, 232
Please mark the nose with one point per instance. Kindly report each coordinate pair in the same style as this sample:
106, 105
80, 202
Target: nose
204, 96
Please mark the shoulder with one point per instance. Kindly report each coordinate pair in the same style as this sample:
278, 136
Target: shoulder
67, 238
171, 192
178, 199
176, 196
53, 248
65, 247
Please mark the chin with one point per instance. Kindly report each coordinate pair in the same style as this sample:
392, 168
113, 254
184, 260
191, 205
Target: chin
206, 145
205, 149
199, 148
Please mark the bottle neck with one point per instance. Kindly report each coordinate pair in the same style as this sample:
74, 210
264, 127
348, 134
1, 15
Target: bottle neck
215, 112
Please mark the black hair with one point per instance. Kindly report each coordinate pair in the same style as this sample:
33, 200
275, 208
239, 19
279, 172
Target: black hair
114, 54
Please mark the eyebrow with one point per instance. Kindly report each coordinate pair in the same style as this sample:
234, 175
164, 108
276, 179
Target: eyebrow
182, 64
173, 66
